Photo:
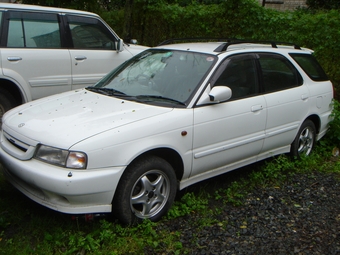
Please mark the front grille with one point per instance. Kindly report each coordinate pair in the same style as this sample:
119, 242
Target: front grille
16, 142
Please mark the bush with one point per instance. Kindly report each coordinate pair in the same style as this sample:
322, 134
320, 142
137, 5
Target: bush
323, 4
155, 21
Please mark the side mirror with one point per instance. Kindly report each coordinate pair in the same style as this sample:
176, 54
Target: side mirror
119, 45
133, 41
216, 95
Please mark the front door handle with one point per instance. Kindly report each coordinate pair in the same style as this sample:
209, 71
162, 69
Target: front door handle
13, 59
79, 58
256, 108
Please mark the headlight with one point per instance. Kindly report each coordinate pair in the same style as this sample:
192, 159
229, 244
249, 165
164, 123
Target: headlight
64, 158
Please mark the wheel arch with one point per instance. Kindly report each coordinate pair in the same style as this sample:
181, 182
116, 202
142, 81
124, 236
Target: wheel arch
170, 155
13, 89
316, 120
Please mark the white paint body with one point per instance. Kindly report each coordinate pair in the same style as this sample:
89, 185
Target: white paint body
210, 139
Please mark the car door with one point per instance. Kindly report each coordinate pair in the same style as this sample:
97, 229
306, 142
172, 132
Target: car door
287, 100
93, 50
231, 133
32, 53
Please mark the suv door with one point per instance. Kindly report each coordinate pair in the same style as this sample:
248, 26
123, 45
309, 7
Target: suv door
286, 98
32, 53
93, 50
223, 134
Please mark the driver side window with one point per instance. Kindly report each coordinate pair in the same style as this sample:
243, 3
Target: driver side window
240, 76
88, 33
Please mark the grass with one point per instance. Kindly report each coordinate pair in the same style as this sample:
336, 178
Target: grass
28, 228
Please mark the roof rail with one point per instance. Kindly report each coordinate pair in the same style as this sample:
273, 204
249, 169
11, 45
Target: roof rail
196, 39
224, 46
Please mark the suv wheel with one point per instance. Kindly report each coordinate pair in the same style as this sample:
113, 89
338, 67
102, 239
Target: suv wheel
304, 140
7, 102
146, 191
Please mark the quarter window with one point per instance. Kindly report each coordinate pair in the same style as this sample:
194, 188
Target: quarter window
278, 73
33, 30
311, 67
90, 33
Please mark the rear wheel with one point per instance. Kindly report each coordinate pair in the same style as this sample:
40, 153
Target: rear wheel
146, 191
304, 140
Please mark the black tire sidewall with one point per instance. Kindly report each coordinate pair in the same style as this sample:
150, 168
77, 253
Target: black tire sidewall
121, 202
7, 101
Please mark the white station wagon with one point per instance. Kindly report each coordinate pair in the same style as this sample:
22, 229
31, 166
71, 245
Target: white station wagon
169, 117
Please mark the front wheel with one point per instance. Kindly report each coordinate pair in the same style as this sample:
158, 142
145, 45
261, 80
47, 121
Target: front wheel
304, 140
146, 191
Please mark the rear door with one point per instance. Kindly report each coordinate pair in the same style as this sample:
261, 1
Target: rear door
287, 99
231, 133
32, 53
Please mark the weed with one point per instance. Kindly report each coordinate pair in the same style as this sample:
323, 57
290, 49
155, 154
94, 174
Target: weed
189, 203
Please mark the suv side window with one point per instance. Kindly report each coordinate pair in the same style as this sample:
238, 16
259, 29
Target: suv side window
240, 76
278, 73
0, 22
90, 33
33, 30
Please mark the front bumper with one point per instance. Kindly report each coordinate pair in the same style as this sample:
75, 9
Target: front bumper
64, 190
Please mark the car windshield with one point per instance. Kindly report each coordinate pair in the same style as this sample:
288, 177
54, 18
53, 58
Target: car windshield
154, 76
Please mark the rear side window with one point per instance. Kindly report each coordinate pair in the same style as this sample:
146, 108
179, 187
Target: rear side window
278, 73
90, 33
33, 30
311, 66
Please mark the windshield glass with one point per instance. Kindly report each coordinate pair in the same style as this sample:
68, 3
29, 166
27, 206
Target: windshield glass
158, 76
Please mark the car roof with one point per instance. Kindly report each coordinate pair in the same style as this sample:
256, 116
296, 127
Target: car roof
9, 6
219, 47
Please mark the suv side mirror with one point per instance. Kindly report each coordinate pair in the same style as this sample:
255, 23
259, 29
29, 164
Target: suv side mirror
119, 45
133, 41
216, 95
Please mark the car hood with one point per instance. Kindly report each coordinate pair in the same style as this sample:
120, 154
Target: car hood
65, 119
134, 49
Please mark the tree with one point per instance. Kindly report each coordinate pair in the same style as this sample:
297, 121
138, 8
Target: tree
323, 4
88, 5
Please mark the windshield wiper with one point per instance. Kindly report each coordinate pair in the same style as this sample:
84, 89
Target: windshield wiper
148, 98
106, 91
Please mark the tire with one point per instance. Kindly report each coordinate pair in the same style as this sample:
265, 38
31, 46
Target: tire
304, 141
7, 102
146, 190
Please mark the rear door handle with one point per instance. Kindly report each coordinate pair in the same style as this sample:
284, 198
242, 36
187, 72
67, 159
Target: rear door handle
304, 96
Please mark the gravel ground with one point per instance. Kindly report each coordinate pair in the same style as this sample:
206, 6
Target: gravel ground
301, 217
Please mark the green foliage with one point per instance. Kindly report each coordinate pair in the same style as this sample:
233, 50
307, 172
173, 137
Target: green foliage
153, 21
89, 5
333, 134
323, 4
188, 204
31, 230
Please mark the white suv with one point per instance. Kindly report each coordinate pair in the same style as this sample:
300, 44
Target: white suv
169, 117
45, 51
